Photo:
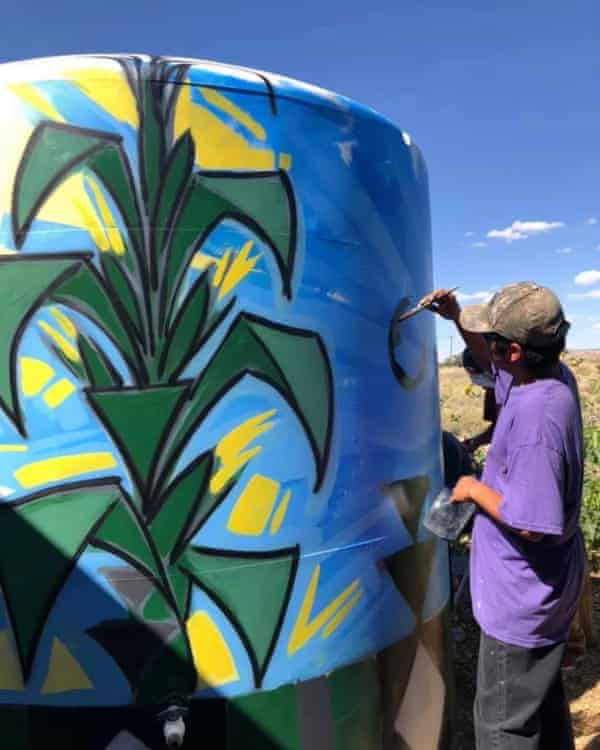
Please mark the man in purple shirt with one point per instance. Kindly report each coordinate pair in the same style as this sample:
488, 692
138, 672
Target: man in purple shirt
527, 553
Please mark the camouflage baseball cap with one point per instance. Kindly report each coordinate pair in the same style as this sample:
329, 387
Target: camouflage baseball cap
524, 312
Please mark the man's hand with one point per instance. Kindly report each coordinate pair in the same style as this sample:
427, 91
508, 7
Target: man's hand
465, 490
442, 303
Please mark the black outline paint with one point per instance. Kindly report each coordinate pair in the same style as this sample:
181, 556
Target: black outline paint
393, 339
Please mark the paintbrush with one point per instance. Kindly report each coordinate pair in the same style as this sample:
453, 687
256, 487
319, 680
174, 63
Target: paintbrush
420, 307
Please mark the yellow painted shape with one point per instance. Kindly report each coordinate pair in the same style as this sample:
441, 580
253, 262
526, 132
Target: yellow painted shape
65, 674
226, 105
279, 514
251, 512
64, 322
70, 205
201, 261
59, 392
13, 448
30, 95
110, 225
231, 451
285, 161
109, 90
63, 467
11, 677
240, 267
217, 146
61, 342
230, 466
35, 373
212, 658
341, 615
306, 628
220, 268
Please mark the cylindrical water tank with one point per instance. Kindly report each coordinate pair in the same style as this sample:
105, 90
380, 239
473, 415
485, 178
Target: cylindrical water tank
217, 441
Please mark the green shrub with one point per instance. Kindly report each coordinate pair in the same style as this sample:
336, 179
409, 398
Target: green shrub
590, 505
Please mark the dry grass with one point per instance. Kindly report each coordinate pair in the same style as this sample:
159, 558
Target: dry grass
462, 403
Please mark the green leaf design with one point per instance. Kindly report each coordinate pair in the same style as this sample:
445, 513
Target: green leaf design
186, 335
98, 369
53, 152
112, 167
185, 500
39, 550
138, 420
25, 284
291, 360
157, 609
122, 290
178, 171
152, 140
85, 292
123, 534
263, 202
252, 588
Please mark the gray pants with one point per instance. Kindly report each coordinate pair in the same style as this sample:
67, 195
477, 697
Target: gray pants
520, 702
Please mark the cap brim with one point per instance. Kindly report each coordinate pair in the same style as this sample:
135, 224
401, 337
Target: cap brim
475, 319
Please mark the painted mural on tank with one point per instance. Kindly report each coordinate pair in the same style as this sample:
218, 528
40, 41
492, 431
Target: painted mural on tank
216, 444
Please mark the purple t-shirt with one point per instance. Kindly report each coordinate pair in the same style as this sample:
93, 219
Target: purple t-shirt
503, 383
523, 592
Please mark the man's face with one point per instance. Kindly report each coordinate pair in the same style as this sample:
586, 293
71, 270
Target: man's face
500, 350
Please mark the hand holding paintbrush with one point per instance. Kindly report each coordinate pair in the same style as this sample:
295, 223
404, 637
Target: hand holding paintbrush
441, 301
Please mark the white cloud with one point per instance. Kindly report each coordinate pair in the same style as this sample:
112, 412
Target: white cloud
587, 278
564, 250
520, 230
591, 221
593, 294
479, 244
474, 297
469, 234
596, 326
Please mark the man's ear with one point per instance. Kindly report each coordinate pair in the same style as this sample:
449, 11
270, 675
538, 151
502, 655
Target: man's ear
515, 353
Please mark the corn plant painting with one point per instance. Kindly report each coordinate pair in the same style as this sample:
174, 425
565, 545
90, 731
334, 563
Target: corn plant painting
138, 299
199, 407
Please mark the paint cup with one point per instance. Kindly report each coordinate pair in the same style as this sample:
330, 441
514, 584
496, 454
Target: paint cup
447, 519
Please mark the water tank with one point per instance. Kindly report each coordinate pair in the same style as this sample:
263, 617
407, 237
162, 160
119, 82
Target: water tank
217, 443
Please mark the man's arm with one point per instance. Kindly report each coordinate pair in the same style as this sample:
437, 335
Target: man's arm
446, 305
469, 488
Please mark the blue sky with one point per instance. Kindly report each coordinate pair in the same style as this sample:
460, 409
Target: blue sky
502, 98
